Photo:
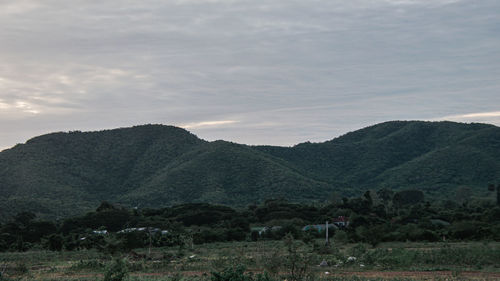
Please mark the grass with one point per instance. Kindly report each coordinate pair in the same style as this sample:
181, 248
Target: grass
450, 261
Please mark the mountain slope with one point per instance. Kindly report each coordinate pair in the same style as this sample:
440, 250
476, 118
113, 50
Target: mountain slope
63, 174
384, 154
225, 173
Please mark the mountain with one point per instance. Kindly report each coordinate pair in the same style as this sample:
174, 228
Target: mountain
63, 174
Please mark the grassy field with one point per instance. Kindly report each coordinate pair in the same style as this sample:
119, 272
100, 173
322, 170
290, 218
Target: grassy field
290, 260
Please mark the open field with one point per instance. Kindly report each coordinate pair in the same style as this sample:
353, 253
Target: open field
389, 261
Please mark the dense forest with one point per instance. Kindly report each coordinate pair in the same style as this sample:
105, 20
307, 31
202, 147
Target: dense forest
375, 217
65, 174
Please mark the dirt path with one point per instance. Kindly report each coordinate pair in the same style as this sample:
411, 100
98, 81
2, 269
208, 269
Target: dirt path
421, 274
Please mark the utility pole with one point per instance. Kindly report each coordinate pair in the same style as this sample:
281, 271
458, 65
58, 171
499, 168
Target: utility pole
326, 227
150, 242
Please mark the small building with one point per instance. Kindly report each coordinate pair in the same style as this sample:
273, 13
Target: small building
259, 229
341, 221
143, 229
263, 229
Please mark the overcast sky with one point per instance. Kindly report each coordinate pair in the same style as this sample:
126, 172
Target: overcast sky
252, 71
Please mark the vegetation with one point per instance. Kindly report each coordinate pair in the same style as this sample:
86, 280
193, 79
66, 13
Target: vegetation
375, 217
417, 197
63, 174
265, 261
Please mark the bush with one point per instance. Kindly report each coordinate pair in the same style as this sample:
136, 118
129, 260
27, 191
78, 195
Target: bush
116, 271
340, 237
238, 274
297, 264
55, 242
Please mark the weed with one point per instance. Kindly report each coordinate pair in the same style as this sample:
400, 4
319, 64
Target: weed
116, 271
272, 262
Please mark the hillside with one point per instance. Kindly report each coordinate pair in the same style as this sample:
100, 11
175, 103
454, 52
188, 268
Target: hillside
62, 174
432, 156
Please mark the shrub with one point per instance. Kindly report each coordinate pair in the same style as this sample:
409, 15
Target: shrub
238, 274
55, 242
116, 271
296, 263
340, 237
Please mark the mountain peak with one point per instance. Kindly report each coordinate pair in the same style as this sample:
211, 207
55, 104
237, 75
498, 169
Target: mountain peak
158, 165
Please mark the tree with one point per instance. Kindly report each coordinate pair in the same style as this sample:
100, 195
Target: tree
498, 195
491, 187
105, 205
367, 196
335, 198
463, 194
408, 197
372, 235
297, 263
24, 218
55, 242
385, 194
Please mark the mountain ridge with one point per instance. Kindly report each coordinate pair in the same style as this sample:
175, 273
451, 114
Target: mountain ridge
62, 174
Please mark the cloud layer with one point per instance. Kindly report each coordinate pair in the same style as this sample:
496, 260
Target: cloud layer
257, 72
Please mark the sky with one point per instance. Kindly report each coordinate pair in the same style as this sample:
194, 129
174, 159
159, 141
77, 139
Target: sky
276, 72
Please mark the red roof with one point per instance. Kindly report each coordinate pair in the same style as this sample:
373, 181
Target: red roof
341, 219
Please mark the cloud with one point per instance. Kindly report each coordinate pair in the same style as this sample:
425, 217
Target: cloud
284, 71
17, 7
481, 117
62, 89
422, 2
204, 124
477, 115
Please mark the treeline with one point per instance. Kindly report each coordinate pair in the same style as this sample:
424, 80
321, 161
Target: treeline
375, 217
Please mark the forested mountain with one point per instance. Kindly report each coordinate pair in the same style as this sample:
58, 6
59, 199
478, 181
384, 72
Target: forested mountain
62, 174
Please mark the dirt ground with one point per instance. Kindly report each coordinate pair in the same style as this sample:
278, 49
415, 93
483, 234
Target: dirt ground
421, 275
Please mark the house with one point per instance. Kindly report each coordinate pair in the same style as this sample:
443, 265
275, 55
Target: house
144, 229
341, 221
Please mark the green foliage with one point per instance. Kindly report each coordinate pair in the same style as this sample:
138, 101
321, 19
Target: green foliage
296, 263
498, 195
474, 257
367, 223
237, 273
340, 237
133, 240
408, 197
154, 165
55, 242
399, 258
116, 271
21, 268
88, 265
